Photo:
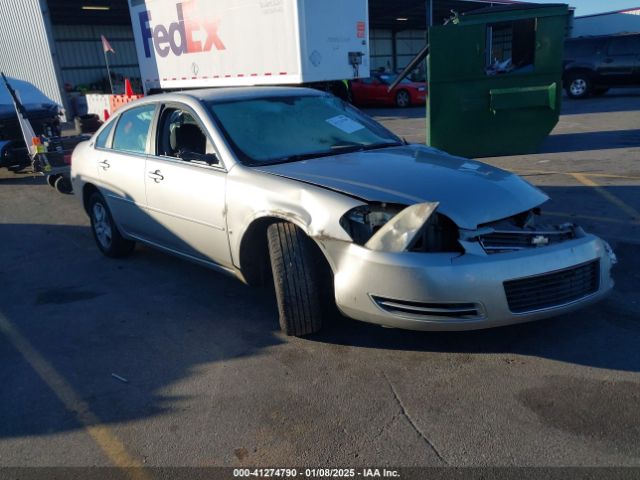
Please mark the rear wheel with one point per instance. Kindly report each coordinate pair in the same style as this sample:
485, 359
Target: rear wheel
579, 86
105, 232
403, 99
63, 185
296, 272
51, 180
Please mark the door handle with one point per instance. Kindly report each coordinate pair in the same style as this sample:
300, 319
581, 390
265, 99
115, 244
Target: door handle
104, 164
156, 176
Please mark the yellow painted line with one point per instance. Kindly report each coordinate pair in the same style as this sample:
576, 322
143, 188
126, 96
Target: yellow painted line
586, 174
610, 175
627, 209
101, 435
592, 218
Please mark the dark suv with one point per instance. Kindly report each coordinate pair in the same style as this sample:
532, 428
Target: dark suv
592, 65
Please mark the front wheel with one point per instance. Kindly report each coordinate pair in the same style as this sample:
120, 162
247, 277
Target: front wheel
579, 86
296, 271
403, 99
105, 232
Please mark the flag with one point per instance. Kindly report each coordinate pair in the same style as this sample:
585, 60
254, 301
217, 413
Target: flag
106, 46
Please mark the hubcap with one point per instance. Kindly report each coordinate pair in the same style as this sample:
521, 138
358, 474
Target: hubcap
578, 87
403, 99
101, 225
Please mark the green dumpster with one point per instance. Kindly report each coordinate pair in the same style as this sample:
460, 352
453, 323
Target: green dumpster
495, 79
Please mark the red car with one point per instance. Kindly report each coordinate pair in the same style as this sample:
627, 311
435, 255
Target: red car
372, 91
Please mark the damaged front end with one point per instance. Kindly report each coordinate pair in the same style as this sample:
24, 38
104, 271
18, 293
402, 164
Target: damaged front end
519, 232
413, 267
420, 228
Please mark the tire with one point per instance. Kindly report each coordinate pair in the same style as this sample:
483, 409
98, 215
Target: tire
63, 185
51, 180
579, 86
109, 240
403, 99
295, 268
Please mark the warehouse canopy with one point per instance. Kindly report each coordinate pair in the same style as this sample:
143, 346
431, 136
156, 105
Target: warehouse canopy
389, 14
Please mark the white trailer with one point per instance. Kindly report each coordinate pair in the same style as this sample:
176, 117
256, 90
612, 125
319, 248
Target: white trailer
215, 43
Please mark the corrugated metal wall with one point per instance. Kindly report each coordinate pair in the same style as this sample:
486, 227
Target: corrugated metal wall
81, 58
25, 51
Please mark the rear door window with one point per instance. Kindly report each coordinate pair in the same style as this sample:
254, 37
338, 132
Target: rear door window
580, 48
102, 139
624, 46
132, 130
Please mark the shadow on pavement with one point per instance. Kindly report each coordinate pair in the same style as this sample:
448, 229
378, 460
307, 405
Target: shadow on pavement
23, 179
151, 319
582, 142
615, 100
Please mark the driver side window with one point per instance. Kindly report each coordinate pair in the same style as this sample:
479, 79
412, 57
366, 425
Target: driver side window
180, 136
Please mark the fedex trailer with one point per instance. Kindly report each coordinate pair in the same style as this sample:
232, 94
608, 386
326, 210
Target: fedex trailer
203, 43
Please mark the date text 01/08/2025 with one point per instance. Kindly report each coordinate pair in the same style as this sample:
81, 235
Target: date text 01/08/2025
315, 473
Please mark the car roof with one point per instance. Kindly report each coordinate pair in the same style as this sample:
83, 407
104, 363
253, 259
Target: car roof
234, 93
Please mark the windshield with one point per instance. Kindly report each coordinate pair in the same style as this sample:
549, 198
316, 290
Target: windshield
289, 128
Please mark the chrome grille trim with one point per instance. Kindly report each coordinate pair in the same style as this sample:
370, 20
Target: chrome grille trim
445, 310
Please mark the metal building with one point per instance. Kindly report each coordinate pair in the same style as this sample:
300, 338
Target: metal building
56, 44
619, 21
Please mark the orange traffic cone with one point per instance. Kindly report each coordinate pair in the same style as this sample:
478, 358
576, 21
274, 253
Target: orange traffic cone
127, 88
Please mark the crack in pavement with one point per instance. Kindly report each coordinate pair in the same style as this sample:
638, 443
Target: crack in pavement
413, 424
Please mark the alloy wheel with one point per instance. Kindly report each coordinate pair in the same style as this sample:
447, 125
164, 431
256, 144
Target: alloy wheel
102, 225
578, 87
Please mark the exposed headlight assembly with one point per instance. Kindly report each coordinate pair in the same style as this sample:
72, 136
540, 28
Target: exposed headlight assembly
394, 228
399, 232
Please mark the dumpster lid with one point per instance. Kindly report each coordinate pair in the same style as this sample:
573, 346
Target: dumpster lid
512, 12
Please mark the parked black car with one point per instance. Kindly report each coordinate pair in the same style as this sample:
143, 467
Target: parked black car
42, 112
593, 65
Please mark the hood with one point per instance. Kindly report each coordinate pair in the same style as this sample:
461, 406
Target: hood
33, 110
470, 193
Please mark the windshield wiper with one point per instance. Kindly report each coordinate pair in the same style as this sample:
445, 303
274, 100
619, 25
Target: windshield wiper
335, 150
376, 146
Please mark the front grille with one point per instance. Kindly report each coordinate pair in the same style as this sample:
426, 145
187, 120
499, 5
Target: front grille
508, 241
553, 289
451, 310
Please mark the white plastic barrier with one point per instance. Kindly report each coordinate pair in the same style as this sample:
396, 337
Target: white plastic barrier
98, 103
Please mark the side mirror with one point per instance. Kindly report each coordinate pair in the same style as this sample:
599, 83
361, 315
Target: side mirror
189, 156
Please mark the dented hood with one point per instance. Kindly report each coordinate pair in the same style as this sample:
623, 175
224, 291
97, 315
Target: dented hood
469, 192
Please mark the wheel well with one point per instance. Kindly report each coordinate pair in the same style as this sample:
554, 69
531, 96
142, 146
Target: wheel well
88, 190
254, 252
569, 73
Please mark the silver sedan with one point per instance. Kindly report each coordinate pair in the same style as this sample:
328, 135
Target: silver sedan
295, 187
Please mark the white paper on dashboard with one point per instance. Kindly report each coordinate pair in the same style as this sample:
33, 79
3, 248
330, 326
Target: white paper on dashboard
345, 124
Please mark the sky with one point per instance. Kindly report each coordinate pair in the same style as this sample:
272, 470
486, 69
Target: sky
587, 7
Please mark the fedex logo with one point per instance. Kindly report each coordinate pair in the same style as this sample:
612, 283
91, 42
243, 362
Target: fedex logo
178, 37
